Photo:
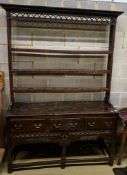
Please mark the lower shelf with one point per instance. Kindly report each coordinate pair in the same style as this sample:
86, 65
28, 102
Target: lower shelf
49, 155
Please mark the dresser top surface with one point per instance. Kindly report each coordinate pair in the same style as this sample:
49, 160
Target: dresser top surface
60, 108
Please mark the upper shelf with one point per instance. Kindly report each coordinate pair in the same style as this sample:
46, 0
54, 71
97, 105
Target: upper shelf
53, 72
61, 15
53, 51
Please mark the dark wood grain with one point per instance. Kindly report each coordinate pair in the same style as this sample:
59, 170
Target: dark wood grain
55, 108
58, 55
9, 40
32, 50
110, 60
52, 72
57, 90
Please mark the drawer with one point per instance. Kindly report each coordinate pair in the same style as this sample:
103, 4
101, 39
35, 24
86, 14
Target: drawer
28, 125
100, 123
69, 124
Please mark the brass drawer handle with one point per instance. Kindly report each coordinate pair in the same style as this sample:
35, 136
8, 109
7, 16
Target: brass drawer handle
57, 125
91, 124
37, 125
73, 125
108, 123
18, 126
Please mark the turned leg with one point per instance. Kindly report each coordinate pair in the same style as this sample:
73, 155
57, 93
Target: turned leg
10, 157
122, 144
112, 153
63, 156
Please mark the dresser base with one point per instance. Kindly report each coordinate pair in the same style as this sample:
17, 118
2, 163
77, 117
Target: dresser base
62, 123
87, 152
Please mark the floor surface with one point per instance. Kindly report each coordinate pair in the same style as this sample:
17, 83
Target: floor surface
73, 170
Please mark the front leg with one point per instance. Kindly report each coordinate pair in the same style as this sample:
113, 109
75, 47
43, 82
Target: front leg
11, 147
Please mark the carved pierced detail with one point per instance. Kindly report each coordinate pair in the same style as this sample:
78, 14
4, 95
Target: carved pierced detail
61, 135
63, 18
35, 135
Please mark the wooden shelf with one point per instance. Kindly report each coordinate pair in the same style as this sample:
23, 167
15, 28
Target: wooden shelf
52, 72
102, 52
57, 90
58, 55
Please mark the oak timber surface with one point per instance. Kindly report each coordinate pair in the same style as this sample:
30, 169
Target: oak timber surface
2, 152
60, 108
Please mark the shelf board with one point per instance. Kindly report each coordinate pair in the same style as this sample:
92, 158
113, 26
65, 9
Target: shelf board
26, 50
58, 55
57, 90
52, 72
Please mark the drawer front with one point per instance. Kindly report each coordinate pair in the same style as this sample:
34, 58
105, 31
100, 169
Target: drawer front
28, 125
100, 123
67, 124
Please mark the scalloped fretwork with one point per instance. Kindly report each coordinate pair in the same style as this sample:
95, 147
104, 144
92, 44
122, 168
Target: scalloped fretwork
63, 18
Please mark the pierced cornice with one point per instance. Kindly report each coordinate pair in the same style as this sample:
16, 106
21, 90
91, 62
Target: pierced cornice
62, 18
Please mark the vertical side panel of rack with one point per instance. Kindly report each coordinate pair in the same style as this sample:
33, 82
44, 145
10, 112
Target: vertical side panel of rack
110, 58
9, 38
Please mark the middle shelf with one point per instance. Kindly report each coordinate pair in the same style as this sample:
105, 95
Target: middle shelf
57, 89
58, 51
52, 72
